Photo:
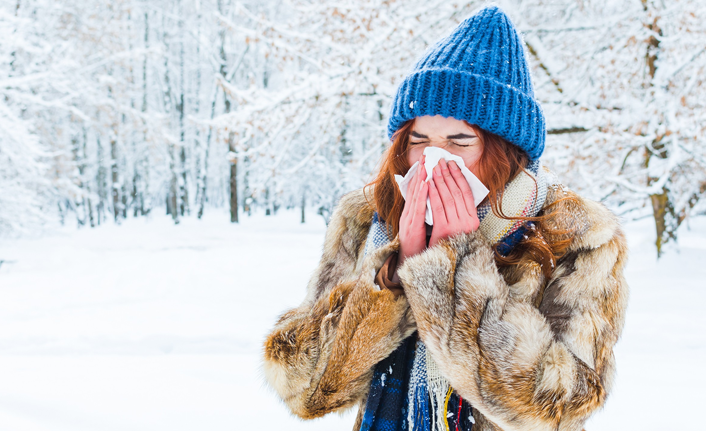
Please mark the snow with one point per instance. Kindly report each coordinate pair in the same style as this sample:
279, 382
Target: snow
150, 326
661, 353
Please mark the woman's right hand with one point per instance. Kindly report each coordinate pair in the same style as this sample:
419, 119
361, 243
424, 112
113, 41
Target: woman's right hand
413, 233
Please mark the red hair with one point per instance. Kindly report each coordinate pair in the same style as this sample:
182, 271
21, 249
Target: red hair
499, 163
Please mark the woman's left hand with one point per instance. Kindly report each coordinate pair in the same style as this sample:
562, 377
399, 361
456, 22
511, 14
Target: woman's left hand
452, 203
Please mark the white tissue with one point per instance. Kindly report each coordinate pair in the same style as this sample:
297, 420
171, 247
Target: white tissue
433, 156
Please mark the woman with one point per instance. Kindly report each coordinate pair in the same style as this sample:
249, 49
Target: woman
501, 317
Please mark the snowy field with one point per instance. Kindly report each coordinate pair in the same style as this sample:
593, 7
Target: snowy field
151, 326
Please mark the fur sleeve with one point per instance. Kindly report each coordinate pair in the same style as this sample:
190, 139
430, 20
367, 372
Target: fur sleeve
320, 356
524, 366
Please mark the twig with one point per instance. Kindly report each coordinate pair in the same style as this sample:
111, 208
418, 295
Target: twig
573, 129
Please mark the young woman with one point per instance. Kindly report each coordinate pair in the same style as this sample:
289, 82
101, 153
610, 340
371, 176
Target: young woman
500, 317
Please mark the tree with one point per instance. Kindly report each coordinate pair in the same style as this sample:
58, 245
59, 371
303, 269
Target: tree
623, 97
111, 109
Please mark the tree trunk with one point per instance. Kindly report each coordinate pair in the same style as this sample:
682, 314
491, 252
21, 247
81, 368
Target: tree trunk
172, 197
204, 178
183, 190
88, 199
197, 107
80, 202
247, 194
101, 181
661, 205
233, 180
173, 190
303, 205
268, 207
233, 187
144, 157
183, 195
114, 178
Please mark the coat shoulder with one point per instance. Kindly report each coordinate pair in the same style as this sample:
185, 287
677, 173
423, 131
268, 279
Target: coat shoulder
357, 206
344, 243
589, 223
350, 221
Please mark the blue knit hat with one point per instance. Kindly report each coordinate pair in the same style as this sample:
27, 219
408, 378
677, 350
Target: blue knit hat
479, 74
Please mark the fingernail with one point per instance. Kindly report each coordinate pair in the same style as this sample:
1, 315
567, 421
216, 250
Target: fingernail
453, 165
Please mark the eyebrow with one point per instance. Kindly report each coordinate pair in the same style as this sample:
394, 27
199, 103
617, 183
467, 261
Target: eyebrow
456, 136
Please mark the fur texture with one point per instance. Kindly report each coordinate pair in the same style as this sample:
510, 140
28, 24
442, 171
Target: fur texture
528, 353
320, 356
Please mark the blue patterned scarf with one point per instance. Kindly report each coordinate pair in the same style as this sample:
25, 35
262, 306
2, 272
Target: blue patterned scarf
398, 391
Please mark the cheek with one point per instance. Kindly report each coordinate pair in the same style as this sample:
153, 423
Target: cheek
471, 161
413, 154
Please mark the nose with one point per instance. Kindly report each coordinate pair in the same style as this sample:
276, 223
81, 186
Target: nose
444, 146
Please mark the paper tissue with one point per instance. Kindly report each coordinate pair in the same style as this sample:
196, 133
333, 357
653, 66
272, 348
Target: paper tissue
433, 156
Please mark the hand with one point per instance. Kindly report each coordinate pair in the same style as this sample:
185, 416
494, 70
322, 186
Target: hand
413, 232
452, 203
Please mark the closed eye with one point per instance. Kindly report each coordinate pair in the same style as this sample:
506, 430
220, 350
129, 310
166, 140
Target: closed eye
461, 136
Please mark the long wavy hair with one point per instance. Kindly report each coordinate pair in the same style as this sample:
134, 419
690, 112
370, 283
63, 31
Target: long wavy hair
499, 163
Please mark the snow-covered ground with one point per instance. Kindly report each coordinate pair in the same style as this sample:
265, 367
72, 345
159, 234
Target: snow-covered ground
151, 326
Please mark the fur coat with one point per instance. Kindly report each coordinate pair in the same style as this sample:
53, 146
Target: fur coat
528, 353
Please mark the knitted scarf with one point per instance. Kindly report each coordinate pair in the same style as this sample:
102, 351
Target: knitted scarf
408, 392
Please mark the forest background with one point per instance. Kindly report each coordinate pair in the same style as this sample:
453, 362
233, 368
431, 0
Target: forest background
125, 108
222, 113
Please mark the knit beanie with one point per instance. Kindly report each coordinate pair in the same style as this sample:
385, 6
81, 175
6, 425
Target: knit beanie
479, 73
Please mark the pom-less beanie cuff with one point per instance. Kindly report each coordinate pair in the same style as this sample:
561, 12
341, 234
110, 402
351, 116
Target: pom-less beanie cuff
478, 99
479, 73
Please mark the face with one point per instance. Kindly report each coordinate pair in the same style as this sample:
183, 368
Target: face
453, 135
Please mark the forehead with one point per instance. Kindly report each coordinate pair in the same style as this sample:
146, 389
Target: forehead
438, 125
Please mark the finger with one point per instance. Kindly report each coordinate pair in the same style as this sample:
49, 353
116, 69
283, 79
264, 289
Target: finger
420, 207
423, 172
409, 200
466, 192
442, 186
413, 194
417, 177
455, 191
415, 191
405, 209
437, 206
413, 183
